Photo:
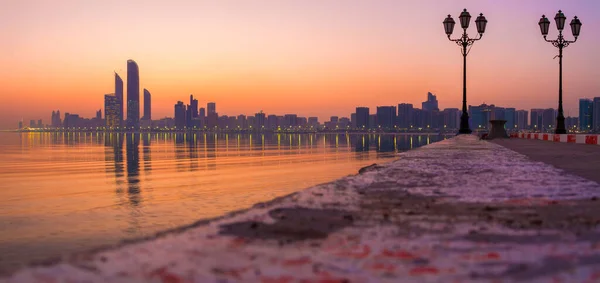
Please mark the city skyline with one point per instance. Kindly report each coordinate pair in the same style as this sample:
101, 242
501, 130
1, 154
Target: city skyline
323, 60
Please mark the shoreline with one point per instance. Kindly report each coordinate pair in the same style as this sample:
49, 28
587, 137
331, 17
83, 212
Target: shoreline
434, 223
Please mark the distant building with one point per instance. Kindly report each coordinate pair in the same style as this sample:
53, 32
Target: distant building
20, 125
260, 120
386, 117
571, 123
147, 105
451, 118
99, 114
202, 113
133, 95
535, 122
180, 115
549, 119
119, 95
431, 104
313, 122
522, 119
32, 124
194, 106
272, 122
405, 115
510, 115
596, 114
39, 124
480, 116
211, 108
372, 121
586, 110
353, 120
112, 103
362, 117
344, 122
290, 120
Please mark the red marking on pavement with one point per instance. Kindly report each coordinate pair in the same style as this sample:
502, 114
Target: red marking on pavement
571, 138
493, 255
591, 139
166, 276
382, 266
398, 254
238, 242
280, 279
424, 270
297, 261
366, 250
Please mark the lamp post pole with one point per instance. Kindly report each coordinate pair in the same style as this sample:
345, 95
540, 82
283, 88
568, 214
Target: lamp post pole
560, 43
465, 43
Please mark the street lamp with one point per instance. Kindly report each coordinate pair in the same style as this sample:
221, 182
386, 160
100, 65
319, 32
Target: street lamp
560, 43
465, 42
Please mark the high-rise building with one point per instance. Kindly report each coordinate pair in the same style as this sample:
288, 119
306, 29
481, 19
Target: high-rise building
147, 105
405, 114
431, 104
353, 120
39, 124
119, 95
596, 114
32, 123
272, 121
202, 113
20, 125
180, 115
313, 122
549, 119
99, 114
451, 118
259, 121
535, 122
211, 107
522, 119
586, 110
111, 111
290, 120
194, 105
510, 117
362, 117
133, 95
372, 121
386, 117
480, 116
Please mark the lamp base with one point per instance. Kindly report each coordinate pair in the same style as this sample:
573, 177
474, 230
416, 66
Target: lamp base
464, 125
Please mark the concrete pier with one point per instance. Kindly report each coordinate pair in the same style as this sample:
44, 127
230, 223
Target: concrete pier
458, 210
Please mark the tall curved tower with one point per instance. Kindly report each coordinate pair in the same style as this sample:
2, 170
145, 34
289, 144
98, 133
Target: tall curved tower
119, 95
133, 95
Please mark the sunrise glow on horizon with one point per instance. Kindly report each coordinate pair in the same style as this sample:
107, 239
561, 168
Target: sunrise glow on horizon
313, 58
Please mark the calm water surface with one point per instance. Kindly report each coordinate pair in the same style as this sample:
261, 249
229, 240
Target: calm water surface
67, 192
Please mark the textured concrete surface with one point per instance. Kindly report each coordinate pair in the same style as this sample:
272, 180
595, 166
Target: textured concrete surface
457, 210
578, 159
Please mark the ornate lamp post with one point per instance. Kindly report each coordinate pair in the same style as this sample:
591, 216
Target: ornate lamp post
560, 43
465, 42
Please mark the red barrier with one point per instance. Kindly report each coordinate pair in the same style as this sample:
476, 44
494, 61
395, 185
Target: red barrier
556, 138
591, 139
545, 137
536, 136
571, 138
528, 136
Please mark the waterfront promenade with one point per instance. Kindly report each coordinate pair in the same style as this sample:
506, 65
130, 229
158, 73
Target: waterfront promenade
457, 210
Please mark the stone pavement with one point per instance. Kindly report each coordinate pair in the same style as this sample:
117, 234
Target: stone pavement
458, 210
579, 159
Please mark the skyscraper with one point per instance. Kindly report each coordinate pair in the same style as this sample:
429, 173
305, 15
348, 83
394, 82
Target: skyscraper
405, 114
535, 123
194, 106
111, 111
386, 117
180, 115
211, 107
596, 114
431, 104
147, 105
522, 119
119, 95
586, 110
259, 120
133, 95
511, 118
362, 117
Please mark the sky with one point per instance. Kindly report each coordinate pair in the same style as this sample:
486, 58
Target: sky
310, 57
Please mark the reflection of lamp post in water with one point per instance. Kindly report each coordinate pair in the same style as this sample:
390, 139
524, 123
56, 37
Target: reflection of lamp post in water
465, 42
560, 43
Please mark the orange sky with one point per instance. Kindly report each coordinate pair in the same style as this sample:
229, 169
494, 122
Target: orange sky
314, 58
